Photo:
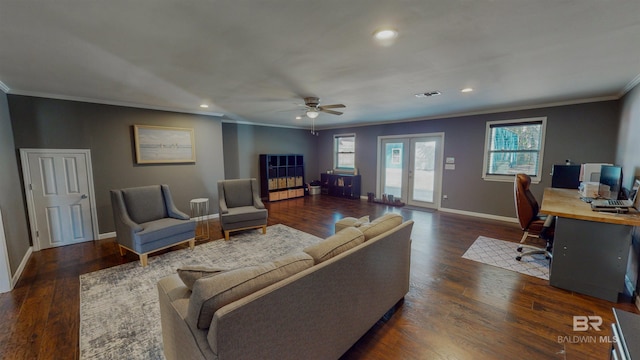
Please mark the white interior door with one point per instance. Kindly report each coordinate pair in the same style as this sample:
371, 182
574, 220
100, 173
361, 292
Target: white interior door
410, 168
59, 187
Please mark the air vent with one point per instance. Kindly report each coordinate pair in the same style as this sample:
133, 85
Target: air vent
428, 94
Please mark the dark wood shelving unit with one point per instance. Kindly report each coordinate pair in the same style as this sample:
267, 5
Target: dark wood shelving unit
281, 176
341, 185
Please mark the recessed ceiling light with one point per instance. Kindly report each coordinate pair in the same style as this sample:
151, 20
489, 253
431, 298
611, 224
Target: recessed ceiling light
466, 90
204, 106
385, 36
298, 117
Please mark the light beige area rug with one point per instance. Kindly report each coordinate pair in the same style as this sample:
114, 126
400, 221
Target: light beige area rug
503, 254
119, 311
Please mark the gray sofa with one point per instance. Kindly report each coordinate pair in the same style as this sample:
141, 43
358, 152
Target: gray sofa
147, 220
315, 305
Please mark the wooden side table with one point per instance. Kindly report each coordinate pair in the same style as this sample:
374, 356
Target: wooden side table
200, 212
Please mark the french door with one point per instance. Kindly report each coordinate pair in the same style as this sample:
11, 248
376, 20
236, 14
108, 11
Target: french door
410, 168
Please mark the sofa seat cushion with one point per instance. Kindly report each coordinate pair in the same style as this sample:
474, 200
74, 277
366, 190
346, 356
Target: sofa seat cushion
211, 293
243, 213
336, 244
163, 228
380, 225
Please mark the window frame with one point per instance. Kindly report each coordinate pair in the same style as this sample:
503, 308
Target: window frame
336, 153
487, 148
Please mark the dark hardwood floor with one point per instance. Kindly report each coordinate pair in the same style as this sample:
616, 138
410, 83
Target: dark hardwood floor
455, 309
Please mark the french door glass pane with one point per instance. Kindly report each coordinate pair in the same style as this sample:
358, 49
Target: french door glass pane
424, 167
393, 169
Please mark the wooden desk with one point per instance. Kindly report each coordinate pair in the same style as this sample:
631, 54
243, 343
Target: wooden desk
590, 249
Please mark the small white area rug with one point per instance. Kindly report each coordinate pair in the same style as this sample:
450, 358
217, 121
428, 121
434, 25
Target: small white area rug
119, 311
503, 254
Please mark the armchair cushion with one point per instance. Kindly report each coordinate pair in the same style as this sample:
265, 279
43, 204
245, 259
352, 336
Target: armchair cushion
244, 213
145, 203
237, 193
163, 228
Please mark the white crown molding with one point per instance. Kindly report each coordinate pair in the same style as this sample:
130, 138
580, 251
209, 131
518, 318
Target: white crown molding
632, 84
244, 122
480, 112
4, 87
108, 102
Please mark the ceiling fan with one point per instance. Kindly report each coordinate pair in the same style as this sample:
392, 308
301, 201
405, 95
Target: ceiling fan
314, 108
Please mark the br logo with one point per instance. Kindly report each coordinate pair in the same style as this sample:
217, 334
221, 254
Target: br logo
583, 323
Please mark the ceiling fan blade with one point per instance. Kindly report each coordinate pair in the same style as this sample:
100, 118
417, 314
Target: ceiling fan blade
330, 111
334, 106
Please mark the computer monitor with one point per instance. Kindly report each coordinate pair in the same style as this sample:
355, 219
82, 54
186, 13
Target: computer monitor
612, 177
566, 176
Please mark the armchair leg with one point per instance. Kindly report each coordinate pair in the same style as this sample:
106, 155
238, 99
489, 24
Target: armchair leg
226, 235
192, 243
143, 259
264, 229
123, 251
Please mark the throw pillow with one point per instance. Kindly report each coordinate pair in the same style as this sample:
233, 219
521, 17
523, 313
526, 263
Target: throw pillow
342, 241
211, 293
189, 274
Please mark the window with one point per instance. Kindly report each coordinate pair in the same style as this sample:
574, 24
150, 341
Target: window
512, 147
344, 150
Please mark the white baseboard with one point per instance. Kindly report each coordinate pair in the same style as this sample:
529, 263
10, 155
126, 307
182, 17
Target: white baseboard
23, 264
108, 235
480, 215
112, 234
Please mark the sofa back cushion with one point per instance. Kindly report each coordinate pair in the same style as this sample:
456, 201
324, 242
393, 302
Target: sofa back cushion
211, 293
380, 225
238, 192
190, 274
342, 241
145, 203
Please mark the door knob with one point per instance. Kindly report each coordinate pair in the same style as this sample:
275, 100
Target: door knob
84, 196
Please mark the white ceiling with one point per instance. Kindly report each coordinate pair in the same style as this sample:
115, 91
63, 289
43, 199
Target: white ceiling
254, 60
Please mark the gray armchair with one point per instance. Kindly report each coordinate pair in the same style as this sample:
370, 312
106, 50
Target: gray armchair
147, 220
240, 206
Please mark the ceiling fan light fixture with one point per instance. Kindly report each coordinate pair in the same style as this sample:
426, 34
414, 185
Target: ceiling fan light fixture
312, 114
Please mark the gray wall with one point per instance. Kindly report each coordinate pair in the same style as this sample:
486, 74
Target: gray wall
628, 155
582, 133
243, 144
628, 151
11, 200
107, 131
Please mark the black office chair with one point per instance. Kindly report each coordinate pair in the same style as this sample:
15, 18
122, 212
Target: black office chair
533, 224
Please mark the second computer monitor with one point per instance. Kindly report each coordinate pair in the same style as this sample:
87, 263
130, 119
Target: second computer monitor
612, 177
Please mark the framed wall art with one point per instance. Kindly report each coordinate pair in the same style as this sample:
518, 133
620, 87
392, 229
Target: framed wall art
161, 145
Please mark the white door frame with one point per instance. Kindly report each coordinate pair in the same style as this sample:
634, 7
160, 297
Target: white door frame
24, 156
439, 162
